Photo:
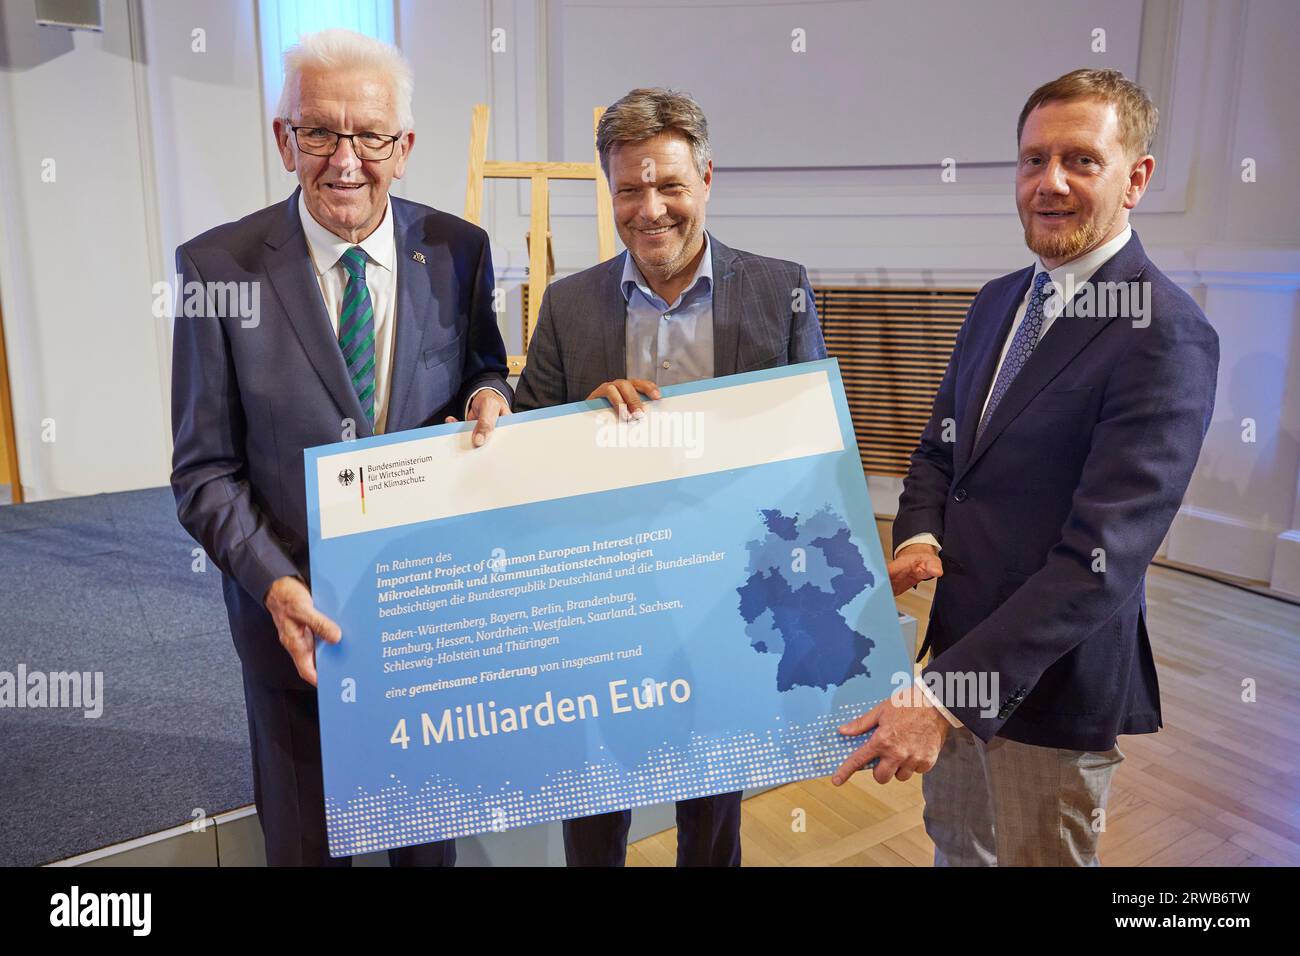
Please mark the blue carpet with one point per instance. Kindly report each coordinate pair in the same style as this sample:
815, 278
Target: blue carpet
105, 583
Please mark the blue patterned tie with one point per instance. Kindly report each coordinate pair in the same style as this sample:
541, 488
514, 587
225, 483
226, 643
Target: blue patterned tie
1022, 346
357, 330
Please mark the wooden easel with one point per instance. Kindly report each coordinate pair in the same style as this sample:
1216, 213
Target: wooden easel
540, 257
8, 440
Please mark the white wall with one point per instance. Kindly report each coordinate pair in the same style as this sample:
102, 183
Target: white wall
205, 116
182, 140
74, 260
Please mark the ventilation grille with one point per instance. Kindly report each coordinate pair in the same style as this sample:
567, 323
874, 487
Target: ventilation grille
893, 346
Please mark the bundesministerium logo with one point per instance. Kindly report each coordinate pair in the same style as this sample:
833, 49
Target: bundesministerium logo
347, 476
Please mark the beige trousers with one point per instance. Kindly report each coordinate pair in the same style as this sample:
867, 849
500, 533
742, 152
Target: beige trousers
1011, 804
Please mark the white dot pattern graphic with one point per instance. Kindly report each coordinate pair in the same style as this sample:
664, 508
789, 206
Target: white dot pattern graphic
439, 809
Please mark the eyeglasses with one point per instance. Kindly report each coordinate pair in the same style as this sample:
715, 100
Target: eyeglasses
317, 141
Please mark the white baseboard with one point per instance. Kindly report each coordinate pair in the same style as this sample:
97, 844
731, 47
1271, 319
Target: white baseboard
1286, 563
1219, 542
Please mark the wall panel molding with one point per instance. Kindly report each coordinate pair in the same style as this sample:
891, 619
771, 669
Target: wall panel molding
151, 193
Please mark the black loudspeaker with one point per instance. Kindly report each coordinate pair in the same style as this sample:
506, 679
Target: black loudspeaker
70, 14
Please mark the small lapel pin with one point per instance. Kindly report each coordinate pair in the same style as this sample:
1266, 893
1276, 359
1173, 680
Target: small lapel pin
418, 257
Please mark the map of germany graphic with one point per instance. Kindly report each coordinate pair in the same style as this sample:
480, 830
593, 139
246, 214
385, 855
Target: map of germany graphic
801, 576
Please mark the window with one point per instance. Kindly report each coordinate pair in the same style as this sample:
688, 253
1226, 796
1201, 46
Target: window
281, 22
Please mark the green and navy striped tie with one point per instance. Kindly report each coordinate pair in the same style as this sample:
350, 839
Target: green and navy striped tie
357, 330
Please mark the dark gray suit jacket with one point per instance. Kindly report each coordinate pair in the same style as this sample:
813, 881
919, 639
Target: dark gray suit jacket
580, 340
246, 400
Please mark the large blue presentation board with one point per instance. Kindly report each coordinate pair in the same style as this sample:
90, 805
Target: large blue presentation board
590, 614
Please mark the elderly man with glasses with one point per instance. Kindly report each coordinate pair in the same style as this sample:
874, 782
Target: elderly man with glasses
375, 316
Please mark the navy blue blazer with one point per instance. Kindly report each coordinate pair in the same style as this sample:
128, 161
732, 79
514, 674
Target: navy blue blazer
1084, 461
246, 401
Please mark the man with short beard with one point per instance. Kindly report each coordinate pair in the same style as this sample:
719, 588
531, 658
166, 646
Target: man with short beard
1063, 436
678, 306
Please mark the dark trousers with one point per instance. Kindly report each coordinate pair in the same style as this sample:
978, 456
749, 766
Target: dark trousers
288, 786
708, 834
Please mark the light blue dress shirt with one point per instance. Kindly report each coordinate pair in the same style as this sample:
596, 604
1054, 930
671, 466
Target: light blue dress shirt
669, 344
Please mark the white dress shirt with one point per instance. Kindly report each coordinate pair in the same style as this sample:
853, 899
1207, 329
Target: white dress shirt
381, 279
381, 251
1068, 275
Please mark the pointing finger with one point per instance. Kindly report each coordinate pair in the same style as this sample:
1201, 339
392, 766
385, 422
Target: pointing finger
854, 762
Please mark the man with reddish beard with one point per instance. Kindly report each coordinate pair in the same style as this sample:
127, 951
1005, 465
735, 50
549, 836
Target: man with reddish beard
377, 318
677, 306
1062, 438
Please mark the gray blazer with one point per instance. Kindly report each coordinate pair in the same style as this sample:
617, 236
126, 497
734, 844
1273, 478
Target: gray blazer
580, 339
